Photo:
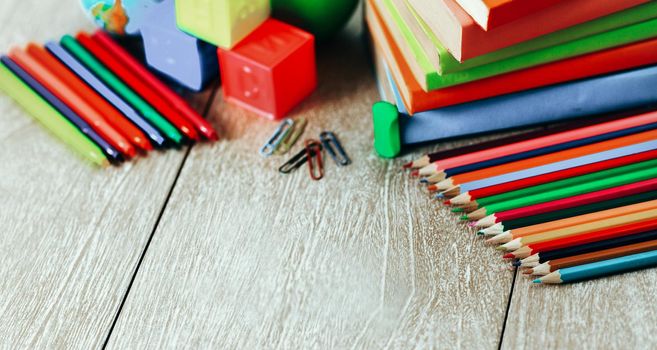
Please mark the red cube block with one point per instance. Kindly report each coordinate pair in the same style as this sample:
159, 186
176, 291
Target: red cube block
271, 70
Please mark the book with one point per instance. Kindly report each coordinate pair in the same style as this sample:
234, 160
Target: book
465, 39
606, 94
416, 100
397, 18
493, 13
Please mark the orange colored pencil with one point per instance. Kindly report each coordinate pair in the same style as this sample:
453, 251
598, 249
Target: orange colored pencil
74, 101
551, 158
507, 236
114, 117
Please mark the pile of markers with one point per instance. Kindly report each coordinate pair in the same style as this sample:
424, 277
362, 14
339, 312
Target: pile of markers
566, 204
97, 98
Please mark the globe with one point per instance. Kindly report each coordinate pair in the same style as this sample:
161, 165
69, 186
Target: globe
122, 17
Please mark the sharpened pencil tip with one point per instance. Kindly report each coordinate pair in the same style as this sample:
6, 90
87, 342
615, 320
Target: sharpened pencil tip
464, 217
439, 196
538, 280
457, 210
424, 181
516, 263
506, 256
480, 233
431, 188
415, 173
472, 224
407, 165
447, 202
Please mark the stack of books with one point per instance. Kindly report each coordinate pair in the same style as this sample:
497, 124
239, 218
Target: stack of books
461, 67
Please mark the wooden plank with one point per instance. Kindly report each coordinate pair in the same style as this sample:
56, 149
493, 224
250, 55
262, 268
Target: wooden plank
71, 234
245, 257
610, 313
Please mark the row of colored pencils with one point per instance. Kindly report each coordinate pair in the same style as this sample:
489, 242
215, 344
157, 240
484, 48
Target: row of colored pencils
98, 99
566, 204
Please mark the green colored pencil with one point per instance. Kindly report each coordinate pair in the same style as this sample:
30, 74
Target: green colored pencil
145, 109
15, 88
564, 191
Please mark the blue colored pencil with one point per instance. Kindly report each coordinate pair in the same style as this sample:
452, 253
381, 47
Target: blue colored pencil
601, 268
102, 89
113, 155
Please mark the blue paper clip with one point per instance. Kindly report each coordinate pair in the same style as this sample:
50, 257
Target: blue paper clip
334, 148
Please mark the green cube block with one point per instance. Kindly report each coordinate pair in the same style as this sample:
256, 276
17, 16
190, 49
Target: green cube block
221, 22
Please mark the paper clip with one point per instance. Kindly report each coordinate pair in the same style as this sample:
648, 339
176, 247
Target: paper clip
316, 167
336, 151
297, 129
277, 137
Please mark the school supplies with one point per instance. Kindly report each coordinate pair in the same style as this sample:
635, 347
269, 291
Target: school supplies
279, 135
334, 148
298, 128
314, 157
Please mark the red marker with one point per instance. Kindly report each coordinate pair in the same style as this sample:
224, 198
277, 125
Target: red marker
202, 125
136, 81
114, 117
74, 101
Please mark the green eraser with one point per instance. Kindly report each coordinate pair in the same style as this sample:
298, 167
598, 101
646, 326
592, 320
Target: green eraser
387, 141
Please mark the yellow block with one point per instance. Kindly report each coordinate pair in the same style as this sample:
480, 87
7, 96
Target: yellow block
221, 22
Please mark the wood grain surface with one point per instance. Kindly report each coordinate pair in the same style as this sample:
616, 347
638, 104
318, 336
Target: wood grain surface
236, 255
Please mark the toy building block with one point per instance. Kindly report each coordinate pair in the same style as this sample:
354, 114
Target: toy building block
271, 70
185, 59
221, 22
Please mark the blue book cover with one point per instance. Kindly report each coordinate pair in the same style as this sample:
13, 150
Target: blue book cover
595, 96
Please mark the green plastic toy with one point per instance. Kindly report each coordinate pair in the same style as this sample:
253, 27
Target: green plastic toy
387, 141
323, 18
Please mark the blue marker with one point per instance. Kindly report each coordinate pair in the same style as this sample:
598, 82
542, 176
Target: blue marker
601, 268
81, 71
112, 154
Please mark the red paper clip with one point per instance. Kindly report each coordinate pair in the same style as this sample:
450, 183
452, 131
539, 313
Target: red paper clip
314, 157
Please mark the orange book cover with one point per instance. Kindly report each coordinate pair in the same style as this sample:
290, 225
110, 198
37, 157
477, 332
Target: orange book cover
417, 100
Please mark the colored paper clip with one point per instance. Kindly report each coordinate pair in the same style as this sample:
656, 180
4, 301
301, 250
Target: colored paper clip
277, 137
298, 128
316, 167
334, 148
296, 161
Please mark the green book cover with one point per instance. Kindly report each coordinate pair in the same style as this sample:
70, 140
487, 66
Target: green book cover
622, 28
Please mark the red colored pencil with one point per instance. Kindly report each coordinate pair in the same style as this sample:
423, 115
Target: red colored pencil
202, 125
137, 83
114, 117
587, 198
554, 176
595, 236
74, 101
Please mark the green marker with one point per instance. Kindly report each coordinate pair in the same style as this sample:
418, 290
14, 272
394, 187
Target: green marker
40, 110
119, 87
387, 141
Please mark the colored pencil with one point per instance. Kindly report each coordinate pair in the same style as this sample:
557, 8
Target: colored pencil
550, 149
546, 257
590, 237
558, 166
136, 82
603, 177
601, 268
113, 155
436, 156
119, 87
569, 188
553, 157
165, 93
74, 100
40, 110
531, 220
579, 229
114, 117
577, 260
470, 198
540, 142
507, 236
85, 74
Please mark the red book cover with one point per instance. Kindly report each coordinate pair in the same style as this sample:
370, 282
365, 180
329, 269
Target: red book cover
417, 100
493, 13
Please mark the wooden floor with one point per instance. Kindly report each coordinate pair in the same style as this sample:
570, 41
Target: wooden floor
210, 247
